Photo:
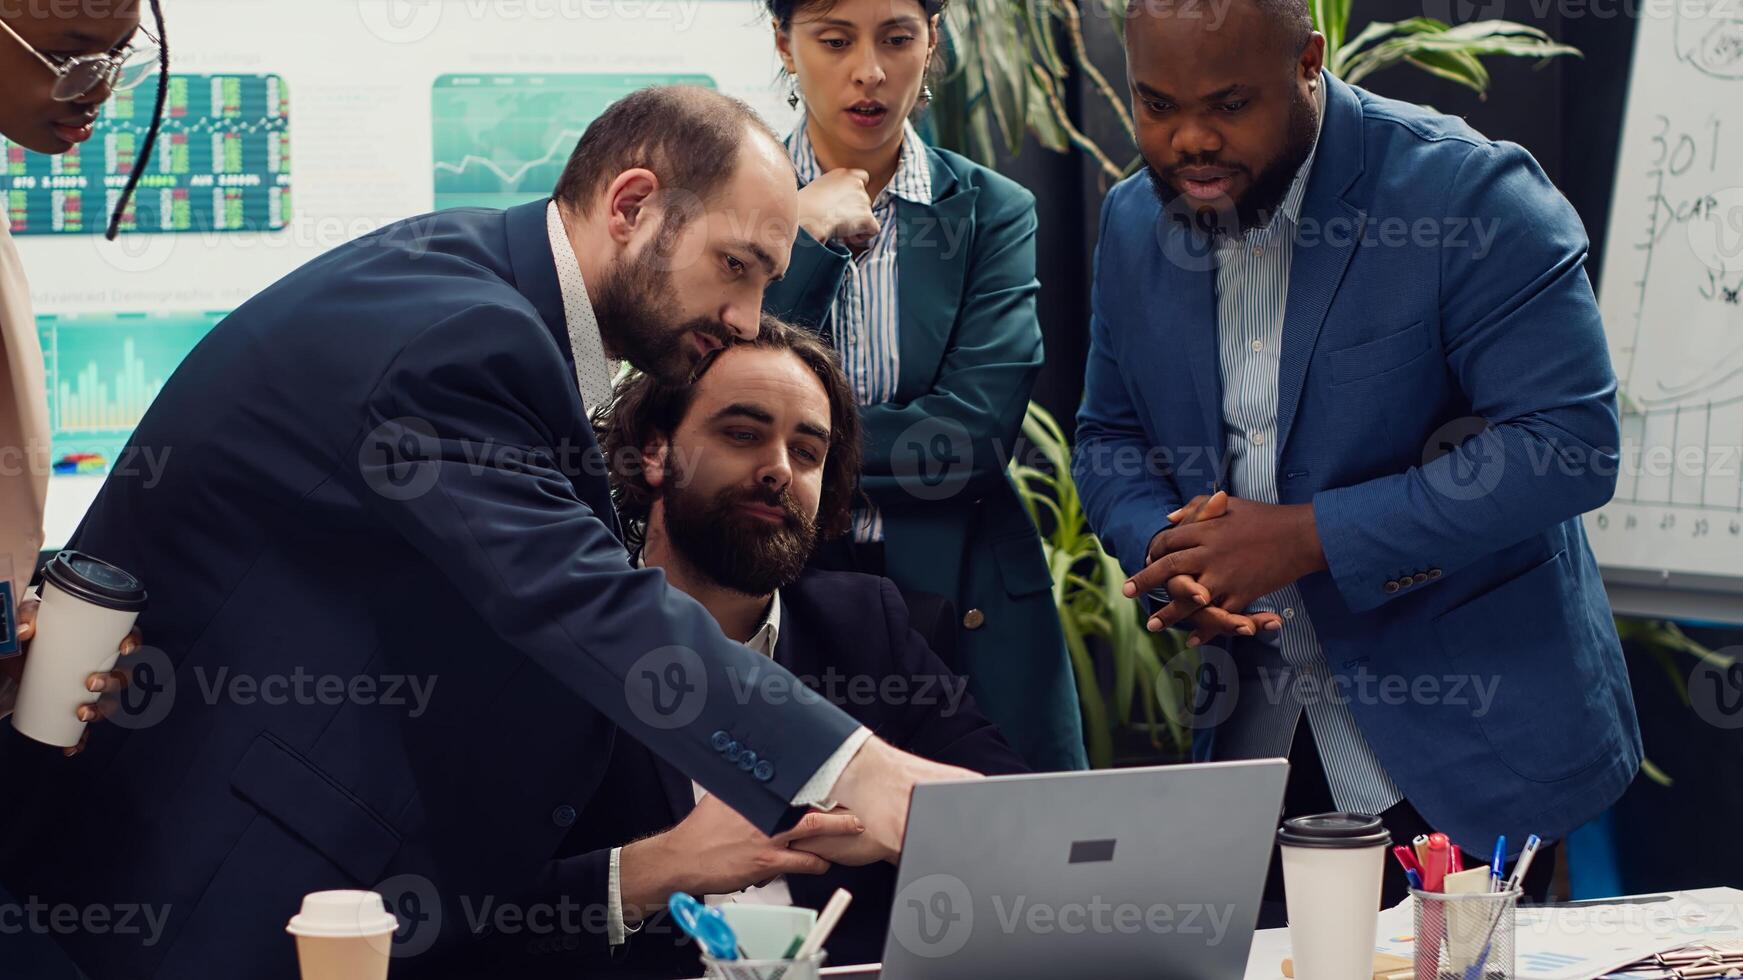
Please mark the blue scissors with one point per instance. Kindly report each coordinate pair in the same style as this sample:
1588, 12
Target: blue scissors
706, 925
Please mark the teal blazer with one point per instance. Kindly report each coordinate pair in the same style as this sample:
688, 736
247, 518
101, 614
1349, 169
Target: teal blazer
936, 455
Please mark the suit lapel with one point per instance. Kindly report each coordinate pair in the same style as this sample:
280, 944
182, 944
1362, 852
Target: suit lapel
1184, 305
933, 245
1336, 226
535, 276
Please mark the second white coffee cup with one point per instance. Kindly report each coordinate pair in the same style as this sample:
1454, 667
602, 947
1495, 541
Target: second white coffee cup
1332, 868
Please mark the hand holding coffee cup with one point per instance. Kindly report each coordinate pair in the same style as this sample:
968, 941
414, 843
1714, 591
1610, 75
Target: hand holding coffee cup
80, 626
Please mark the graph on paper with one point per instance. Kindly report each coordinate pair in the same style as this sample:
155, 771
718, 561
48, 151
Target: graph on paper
222, 163
502, 140
1673, 303
104, 369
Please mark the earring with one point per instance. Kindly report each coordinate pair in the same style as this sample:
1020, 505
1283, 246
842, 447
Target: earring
926, 93
793, 96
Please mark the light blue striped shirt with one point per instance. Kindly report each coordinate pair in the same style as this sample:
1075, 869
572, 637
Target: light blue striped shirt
1252, 285
864, 321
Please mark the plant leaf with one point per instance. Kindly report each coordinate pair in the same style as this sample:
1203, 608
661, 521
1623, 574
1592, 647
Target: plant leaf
1097, 736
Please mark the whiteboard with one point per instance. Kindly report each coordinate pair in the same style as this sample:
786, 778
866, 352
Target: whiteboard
390, 108
1671, 542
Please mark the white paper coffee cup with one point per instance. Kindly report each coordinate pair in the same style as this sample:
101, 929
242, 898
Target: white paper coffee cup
1332, 868
88, 608
343, 935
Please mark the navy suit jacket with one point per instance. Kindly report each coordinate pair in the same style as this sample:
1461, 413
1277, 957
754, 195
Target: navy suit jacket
845, 634
380, 469
1438, 289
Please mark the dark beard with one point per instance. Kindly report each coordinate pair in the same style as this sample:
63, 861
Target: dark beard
735, 551
1264, 195
637, 309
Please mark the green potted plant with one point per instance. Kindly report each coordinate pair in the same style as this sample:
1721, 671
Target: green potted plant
1151, 673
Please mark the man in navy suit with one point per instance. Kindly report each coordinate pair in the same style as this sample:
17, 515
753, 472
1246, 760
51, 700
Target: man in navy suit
396, 628
728, 485
1347, 375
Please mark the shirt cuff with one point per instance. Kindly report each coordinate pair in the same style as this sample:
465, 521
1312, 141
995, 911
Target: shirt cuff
615, 931
817, 791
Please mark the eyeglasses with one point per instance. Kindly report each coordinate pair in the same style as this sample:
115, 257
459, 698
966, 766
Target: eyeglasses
76, 76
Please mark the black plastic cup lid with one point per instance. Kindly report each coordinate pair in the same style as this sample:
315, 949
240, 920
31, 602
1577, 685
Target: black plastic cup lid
95, 581
1334, 830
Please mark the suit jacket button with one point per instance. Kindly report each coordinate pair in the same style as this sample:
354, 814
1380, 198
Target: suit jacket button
1434, 573
563, 816
747, 761
1419, 578
763, 771
720, 740
974, 619
1391, 587
733, 751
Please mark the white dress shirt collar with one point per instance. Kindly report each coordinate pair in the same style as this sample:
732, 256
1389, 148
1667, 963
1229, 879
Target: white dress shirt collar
912, 181
594, 372
768, 632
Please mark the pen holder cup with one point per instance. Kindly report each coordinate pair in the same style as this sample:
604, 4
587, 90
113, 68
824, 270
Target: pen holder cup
806, 969
1465, 937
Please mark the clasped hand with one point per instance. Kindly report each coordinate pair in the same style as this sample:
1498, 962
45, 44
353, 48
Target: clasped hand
1223, 554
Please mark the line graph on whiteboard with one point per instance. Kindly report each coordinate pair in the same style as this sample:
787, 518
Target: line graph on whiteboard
1673, 303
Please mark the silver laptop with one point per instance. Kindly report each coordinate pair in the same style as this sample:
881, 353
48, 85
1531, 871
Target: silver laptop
1119, 873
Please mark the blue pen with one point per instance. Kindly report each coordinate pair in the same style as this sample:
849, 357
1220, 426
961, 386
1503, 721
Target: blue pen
1496, 873
1415, 879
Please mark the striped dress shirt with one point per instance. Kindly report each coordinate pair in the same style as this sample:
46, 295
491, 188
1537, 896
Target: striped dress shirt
864, 322
1252, 284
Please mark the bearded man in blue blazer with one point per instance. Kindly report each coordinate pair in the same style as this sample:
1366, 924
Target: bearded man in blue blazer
1347, 377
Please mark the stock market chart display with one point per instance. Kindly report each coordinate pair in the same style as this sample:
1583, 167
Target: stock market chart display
222, 163
501, 140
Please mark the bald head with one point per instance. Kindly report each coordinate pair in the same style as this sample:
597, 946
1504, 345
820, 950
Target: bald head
686, 135
1224, 96
1289, 22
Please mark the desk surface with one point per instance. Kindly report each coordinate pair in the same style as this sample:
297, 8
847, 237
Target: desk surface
1270, 948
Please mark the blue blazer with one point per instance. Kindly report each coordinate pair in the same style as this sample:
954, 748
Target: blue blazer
835, 627
380, 468
936, 454
1438, 285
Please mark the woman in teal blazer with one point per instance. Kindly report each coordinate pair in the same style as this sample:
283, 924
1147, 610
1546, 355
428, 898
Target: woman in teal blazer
920, 265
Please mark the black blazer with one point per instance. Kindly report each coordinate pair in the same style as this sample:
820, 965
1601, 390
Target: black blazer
378, 468
835, 626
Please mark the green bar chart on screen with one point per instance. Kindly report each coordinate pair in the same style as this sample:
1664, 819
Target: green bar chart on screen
104, 369
502, 139
222, 163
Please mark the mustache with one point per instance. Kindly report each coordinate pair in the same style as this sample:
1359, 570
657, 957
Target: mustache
712, 328
1173, 170
782, 499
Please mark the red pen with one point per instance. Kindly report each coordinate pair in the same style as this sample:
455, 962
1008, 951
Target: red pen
1457, 860
1434, 867
1406, 860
